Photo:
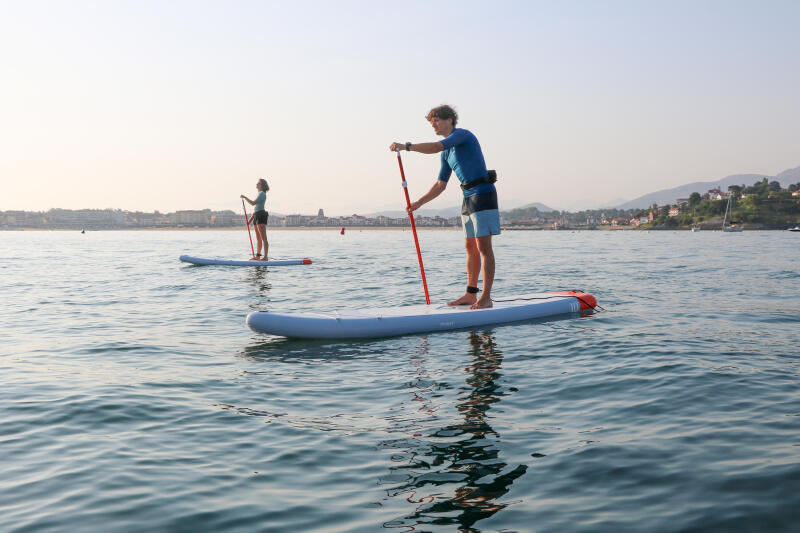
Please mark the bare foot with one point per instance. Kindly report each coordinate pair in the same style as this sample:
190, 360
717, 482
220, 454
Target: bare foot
467, 299
483, 303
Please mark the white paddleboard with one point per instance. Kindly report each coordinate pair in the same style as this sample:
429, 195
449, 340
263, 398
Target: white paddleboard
390, 321
232, 262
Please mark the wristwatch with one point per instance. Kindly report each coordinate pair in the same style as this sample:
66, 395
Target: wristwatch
408, 147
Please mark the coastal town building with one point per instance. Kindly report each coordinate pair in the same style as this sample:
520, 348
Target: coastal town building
193, 217
769, 198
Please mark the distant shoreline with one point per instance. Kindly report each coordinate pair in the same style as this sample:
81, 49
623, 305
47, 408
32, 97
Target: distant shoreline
389, 228
269, 228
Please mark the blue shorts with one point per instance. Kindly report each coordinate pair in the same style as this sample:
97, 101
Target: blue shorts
481, 223
480, 215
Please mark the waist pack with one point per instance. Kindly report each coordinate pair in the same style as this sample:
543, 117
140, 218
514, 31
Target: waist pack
491, 177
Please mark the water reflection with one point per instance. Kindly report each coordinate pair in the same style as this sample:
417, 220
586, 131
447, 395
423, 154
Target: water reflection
258, 277
453, 474
305, 351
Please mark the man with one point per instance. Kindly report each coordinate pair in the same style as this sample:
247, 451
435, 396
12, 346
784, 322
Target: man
462, 153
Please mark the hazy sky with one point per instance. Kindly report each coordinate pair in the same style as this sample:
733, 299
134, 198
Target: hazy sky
167, 105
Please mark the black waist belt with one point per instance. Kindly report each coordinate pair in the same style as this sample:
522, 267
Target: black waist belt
491, 177
479, 202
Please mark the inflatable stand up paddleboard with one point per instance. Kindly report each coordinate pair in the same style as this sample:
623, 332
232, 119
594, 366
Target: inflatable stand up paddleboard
391, 321
230, 262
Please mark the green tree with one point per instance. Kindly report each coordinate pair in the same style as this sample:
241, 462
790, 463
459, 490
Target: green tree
694, 199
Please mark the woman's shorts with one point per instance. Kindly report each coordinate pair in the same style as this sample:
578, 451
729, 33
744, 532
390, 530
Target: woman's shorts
260, 217
480, 216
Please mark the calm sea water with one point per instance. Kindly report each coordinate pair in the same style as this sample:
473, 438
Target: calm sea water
134, 398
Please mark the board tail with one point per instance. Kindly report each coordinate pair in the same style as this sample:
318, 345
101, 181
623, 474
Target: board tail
586, 300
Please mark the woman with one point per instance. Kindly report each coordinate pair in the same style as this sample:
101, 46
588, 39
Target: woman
260, 217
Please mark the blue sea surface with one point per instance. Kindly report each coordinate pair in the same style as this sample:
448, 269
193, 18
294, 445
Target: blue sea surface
134, 398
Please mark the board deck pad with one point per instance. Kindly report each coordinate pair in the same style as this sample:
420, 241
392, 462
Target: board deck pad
250, 262
403, 320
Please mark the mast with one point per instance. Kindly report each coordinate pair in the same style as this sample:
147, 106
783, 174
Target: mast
724, 218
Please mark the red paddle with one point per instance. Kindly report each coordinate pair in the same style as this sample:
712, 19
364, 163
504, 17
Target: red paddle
413, 227
247, 223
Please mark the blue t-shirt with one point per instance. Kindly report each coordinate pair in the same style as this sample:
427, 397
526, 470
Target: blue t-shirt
259, 201
462, 154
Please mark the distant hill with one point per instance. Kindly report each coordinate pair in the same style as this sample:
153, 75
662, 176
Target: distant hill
447, 212
541, 207
787, 177
668, 196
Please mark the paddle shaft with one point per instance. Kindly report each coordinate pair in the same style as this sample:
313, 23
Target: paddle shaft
413, 227
247, 223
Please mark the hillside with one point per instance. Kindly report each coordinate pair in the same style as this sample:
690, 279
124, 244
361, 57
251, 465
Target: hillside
448, 212
541, 207
668, 196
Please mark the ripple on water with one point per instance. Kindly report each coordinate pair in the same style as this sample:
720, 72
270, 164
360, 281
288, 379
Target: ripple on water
134, 397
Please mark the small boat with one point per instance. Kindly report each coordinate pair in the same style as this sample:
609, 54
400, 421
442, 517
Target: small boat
796, 228
695, 228
733, 228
